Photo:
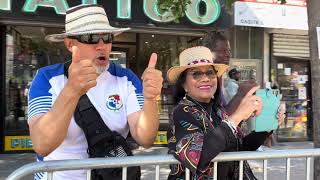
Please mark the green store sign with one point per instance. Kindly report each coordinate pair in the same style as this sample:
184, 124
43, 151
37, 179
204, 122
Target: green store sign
150, 9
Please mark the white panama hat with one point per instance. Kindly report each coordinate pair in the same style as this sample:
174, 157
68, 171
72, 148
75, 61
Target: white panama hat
194, 57
85, 19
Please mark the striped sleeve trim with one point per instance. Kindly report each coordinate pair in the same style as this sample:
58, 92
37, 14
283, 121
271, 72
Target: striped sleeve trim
140, 100
39, 105
40, 175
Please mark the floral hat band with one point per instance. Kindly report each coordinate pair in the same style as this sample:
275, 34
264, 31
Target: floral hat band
199, 61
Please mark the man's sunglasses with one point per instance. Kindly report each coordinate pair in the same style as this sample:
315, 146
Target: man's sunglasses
197, 75
93, 38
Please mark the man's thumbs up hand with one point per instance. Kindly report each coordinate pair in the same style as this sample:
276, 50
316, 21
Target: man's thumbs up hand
75, 54
81, 73
153, 60
152, 79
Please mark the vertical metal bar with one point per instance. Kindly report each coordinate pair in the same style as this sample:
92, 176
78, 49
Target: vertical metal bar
89, 174
265, 169
124, 173
308, 168
187, 174
215, 171
157, 172
288, 168
50, 176
241, 170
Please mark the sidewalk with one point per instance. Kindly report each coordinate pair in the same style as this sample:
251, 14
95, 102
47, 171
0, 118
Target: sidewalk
276, 170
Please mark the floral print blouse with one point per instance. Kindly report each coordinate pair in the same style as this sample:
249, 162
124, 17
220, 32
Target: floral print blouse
198, 133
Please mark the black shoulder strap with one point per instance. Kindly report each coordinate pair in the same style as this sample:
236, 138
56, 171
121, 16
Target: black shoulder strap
102, 142
88, 118
90, 121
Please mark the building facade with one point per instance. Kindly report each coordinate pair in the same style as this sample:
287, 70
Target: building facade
267, 54
24, 24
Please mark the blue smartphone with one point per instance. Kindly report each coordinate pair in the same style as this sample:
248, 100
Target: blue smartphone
267, 120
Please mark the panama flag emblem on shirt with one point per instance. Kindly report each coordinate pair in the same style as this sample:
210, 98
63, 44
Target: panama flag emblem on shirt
114, 102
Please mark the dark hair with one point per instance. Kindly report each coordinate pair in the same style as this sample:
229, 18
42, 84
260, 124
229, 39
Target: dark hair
211, 38
233, 72
179, 92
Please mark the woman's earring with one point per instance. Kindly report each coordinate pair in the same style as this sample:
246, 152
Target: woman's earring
185, 94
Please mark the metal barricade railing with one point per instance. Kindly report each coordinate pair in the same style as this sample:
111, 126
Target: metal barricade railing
140, 160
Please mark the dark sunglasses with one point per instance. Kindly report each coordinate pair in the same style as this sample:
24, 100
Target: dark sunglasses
93, 38
197, 75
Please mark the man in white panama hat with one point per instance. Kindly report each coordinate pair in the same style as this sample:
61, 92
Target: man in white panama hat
121, 99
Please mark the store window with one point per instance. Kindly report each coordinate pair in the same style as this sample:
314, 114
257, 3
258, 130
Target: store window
168, 48
247, 50
247, 43
26, 51
291, 77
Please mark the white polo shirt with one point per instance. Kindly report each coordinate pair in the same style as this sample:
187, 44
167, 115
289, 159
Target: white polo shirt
118, 93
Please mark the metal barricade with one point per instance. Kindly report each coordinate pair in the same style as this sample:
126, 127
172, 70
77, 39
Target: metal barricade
157, 160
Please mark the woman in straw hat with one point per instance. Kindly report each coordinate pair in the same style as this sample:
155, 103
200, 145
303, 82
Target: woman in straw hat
201, 129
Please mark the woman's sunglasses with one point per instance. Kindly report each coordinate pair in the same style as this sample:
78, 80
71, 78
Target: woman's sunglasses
197, 75
93, 38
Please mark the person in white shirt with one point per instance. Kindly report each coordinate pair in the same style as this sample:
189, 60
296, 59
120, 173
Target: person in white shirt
122, 100
232, 84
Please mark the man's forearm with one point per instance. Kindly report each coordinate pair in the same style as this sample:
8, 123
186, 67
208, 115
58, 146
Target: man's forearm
234, 103
148, 123
49, 131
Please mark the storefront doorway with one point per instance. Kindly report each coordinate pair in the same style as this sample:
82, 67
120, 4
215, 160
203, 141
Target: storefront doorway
292, 77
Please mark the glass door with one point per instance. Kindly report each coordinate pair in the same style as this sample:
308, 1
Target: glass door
292, 78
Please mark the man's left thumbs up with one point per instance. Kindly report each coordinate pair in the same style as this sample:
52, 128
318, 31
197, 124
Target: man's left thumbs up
152, 79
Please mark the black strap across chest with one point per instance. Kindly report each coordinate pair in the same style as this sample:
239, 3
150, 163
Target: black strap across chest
102, 142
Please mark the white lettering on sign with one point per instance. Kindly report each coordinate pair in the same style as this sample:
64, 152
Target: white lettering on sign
60, 6
5, 5
212, 11
124, 9
150, 8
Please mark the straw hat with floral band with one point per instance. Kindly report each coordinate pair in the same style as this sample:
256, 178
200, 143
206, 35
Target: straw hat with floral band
194, 57
89, 19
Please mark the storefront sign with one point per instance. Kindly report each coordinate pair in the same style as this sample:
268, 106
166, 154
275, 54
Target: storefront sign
270, 15
17, 143
288, 2
161, 138
150, 8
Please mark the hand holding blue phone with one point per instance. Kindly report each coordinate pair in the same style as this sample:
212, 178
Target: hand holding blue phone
267, 120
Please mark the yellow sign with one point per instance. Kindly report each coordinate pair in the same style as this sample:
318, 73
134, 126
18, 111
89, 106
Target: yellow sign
161, 138
17, 143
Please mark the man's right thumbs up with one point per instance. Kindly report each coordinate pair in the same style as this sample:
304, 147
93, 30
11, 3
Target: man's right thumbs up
75, 54
82, 72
